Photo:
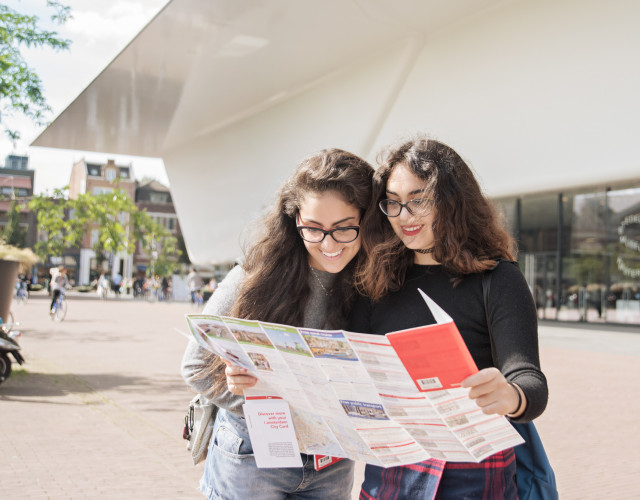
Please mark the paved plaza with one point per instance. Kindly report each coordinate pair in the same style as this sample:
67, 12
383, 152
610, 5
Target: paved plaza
97, 410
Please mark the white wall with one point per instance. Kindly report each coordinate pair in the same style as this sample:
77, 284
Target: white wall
537, 95
224, 180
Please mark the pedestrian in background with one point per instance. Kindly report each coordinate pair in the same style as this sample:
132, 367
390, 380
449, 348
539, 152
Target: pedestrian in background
165, 289
194, 283
103, 286
58, 286
117, 282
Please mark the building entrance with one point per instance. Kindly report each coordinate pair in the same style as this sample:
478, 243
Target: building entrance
540, 271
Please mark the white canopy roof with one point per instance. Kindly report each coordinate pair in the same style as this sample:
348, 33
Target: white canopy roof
202, 65
232, 94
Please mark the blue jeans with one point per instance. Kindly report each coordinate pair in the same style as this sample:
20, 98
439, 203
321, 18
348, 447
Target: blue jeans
230, 471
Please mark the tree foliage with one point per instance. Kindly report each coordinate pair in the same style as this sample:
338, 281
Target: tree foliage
51, 214
113, 220
164, 252
13, 233
20, 87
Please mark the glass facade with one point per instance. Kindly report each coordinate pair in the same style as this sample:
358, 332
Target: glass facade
580, 252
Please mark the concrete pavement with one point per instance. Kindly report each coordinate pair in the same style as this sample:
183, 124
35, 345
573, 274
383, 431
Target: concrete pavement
97, 410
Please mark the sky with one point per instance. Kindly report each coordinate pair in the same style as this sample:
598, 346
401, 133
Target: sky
99, 30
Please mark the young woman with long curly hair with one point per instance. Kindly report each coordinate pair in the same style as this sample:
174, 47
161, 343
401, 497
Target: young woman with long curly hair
430, 227
299, 272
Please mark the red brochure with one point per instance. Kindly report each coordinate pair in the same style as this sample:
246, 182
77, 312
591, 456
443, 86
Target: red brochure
435, 356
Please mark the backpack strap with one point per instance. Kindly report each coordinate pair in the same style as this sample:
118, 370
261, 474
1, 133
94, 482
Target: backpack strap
535, 476
486, 286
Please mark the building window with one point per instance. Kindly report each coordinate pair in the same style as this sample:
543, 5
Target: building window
587, 269
17, 162
624, 213
159, 197
110, 174
93, 170
539, 224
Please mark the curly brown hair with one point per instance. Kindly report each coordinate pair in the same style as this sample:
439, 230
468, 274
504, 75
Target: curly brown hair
469, 233
275, 287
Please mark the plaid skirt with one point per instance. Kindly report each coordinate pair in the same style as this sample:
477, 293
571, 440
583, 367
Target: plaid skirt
493, 478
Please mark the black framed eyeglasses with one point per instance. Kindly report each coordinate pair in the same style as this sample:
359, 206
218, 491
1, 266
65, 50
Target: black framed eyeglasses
419, 207
345, 234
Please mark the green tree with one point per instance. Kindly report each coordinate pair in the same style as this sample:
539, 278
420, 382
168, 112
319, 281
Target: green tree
164, 252
109, 214
157, 242
20, 87
14, 136
13, 233
114, 219
51, 214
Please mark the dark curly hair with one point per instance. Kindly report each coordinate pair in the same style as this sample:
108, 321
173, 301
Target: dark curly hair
275, 287
469, 234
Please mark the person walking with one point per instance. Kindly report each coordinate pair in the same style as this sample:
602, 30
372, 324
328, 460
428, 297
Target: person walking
103, 286
117, 283
299, 272
431, 228
194, 283
164, 294
58, 286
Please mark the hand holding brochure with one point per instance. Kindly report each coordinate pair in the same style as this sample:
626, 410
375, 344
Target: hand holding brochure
386, 400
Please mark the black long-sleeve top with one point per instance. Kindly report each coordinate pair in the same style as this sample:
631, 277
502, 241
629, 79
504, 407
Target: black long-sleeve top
511, 313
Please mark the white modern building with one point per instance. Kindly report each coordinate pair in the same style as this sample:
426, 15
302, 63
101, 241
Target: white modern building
541, 96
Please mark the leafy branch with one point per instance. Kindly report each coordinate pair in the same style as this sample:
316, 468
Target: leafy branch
20, 87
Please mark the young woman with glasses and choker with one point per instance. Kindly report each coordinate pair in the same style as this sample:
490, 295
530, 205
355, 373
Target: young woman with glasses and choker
430, 227
298, 272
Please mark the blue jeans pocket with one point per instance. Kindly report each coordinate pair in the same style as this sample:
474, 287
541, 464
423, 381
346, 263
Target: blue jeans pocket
231, 443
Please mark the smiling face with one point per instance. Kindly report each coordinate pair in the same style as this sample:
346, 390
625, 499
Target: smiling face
328, 211
415, 231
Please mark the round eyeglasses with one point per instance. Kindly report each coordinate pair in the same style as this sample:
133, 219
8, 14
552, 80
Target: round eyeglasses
419, 207
340, 234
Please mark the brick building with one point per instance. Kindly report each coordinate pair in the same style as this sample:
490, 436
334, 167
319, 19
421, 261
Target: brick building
155, 199
16, 182
96, 178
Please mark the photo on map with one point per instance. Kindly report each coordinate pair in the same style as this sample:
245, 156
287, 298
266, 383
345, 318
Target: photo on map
362, 409
286, 339
261, 362
325, 344
248, 332
212, 328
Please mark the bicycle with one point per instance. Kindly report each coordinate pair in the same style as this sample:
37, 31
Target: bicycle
59, 309
7, 326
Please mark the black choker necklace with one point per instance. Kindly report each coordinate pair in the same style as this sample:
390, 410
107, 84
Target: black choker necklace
425, 250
